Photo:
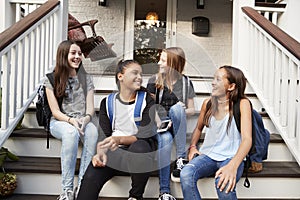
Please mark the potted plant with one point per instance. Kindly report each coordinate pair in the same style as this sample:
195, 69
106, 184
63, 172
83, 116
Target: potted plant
8, 181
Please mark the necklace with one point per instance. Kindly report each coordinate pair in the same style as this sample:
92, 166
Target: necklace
222, 102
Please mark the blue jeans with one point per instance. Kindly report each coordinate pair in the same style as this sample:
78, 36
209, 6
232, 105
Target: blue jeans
165, 142
70, 137
200, 167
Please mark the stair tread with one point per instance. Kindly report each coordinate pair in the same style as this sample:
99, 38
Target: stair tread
41, 133
52, 165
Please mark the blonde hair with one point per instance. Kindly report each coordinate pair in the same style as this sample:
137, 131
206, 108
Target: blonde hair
176, 63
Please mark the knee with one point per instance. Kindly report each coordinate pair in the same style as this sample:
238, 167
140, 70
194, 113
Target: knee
90, 172
165, 138
140, 146
176, 110
186, 175
222, 194
71, 134
91, 131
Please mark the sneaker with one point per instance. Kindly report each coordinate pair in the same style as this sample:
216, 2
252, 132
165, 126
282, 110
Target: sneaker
175, 176
166, 196
131, 198
67, 195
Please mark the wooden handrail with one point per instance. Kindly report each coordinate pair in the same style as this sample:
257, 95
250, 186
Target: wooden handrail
283, 38
13, 32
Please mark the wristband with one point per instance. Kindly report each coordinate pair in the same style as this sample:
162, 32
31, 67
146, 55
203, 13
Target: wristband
89, 116
192, 146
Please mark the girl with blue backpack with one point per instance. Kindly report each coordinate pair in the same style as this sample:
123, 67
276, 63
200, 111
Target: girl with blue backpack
224, 148
129, 140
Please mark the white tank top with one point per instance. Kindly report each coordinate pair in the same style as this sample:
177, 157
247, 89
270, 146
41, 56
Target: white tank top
220, 144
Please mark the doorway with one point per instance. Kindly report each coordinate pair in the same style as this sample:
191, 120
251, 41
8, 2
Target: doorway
151, 35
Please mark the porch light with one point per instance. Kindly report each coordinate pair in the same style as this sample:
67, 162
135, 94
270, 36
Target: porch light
200, 4
152, 16
102, 3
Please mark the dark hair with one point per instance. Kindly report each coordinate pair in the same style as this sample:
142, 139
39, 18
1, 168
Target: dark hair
62, 68
233, 75
122, 64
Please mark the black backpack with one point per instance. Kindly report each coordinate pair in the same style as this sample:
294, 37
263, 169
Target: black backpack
260, 139
43, 112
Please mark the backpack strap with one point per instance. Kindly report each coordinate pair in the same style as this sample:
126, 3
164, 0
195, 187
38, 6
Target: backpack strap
159, 96
50, 76
185, 88
110, 108
138, 107
237, 114
111, 105
237, 118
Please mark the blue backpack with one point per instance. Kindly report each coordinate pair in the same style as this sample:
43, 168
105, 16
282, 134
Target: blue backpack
260, 139
110, 107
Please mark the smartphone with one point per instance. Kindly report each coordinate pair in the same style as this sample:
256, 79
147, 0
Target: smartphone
195, 155
164, 126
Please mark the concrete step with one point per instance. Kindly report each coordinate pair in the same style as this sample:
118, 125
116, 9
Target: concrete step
202, 86
278, 180
32, 142
29, 121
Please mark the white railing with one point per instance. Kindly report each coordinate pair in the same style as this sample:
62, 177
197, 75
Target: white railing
270, 13
24, 7
25, 57
270, 60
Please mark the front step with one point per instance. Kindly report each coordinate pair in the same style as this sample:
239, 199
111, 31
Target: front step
281, 178
281, 173
44, 182
32, 142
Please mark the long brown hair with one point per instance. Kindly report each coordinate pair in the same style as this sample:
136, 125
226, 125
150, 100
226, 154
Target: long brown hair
176, 63
62, 68
233, 75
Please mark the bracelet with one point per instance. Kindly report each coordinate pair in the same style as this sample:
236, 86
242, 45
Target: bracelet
192, 146
69, 119
89, 116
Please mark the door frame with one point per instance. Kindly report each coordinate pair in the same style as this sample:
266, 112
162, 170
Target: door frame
129, 26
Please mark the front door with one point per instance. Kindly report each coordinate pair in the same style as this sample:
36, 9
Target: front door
150, 28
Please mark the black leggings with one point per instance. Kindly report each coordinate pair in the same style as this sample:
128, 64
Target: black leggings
135, 160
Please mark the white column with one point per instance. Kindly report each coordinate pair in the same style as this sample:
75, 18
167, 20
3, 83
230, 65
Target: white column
7, 15
237, 29
129, 29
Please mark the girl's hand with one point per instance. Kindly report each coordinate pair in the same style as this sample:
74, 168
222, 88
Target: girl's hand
77, 123
111, 143
84, 121
100, 159
227, 175
192, 152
